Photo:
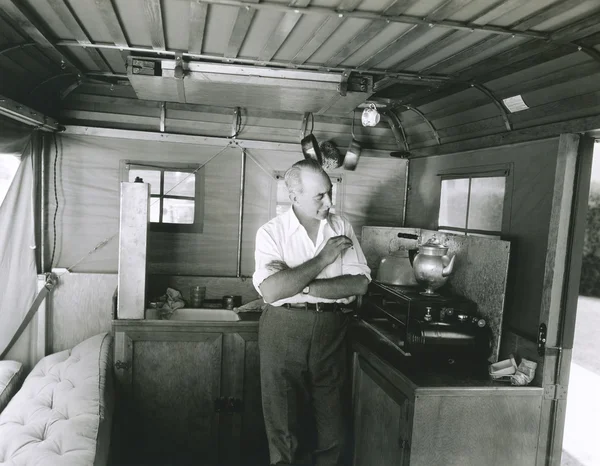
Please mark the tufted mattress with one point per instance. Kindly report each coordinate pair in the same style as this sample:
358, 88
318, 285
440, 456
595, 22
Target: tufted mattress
62, 414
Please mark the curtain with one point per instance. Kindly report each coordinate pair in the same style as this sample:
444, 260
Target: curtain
18, 273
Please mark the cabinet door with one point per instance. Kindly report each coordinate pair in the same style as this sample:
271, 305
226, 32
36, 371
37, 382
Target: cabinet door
381, 419
171, 381
242, 439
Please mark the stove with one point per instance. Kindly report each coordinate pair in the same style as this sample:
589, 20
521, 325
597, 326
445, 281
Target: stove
446, 324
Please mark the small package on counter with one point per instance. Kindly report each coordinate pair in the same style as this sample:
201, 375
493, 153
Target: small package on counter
525, 373
503, 370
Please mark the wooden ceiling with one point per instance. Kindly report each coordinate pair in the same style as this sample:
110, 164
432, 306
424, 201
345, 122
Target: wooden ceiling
443, 66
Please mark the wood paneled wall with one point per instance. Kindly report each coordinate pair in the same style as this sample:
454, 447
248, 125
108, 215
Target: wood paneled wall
532, 170
80, 306
88, 207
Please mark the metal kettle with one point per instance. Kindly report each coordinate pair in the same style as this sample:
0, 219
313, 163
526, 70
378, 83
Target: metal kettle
432, 266
396, 269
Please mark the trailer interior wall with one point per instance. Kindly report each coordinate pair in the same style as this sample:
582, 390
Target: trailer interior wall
532, 168
87, 183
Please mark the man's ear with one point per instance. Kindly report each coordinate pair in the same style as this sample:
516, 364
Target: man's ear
293, 198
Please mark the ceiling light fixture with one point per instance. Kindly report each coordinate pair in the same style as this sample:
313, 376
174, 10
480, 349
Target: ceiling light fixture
370, 116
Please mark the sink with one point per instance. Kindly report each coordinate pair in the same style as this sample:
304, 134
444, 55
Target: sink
210, 315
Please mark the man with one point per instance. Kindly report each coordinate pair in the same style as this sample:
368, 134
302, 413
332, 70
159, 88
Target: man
308, 263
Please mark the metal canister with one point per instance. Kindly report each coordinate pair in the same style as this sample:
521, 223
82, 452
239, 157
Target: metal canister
228, 302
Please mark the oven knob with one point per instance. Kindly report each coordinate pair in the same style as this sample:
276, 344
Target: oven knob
481, 323
428, 317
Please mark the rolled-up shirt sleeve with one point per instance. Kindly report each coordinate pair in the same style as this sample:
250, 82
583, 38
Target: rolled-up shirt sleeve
354, 261
265, 252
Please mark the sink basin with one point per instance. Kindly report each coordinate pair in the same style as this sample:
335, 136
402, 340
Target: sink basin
211, 315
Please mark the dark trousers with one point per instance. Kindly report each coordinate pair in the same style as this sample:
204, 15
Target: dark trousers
303, 373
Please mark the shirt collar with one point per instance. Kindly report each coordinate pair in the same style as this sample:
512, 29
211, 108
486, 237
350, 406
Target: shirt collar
294, 223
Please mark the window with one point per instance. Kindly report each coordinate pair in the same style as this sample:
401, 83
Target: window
283, 202
473, 204
9, 165
176, 191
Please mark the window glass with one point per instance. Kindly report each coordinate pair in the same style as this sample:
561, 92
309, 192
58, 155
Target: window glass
9, 165
487, 199
178, 211
149, 176
453, 203
180, 183
155, 209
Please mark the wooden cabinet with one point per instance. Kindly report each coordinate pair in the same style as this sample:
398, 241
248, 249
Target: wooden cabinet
190, 394
400, 422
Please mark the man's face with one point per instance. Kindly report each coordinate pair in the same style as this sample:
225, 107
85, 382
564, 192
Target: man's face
315, 199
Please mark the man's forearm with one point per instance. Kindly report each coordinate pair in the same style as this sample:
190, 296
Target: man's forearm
291, 281
339, 287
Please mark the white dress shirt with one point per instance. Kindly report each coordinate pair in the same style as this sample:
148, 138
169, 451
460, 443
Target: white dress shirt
285, 239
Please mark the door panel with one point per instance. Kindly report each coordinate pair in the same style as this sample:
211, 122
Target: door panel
174, 385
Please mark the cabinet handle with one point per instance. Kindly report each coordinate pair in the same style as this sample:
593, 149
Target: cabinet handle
122, 365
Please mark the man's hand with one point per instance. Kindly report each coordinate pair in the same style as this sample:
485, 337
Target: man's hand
334, 247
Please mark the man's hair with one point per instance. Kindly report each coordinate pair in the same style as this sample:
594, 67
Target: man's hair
293, 175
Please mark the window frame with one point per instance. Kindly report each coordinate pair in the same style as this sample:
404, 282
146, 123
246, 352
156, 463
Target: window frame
334, 178
199, 195
482, 171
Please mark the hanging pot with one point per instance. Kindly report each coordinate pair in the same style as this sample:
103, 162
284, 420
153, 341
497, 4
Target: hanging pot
354, 150
310, 148
352, 155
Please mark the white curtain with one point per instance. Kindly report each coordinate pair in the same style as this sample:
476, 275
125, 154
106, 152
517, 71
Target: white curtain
18, 274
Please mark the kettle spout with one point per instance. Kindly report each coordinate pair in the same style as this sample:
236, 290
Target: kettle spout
447, 270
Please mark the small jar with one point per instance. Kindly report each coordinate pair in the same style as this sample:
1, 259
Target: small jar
228, 302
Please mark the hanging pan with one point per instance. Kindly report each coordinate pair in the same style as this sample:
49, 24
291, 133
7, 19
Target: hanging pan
310, 146
354, 150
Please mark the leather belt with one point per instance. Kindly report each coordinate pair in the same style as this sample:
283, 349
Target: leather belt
316, 307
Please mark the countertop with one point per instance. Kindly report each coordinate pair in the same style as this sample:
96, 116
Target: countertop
422, 374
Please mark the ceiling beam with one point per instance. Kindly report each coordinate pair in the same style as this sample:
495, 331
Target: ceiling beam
406, 38
282, 30
396, 8
324, 32
27, 115
198, 12
68, 19
446, 40
484, 17
240, 28
549, 12
112, 23
498, 10
512, 60
404, 19
577, 125
464, 54
24, 20
153, 14
8, 47
406, 76
585, 27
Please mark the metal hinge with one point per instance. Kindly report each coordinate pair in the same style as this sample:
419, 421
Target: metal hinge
555, 392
